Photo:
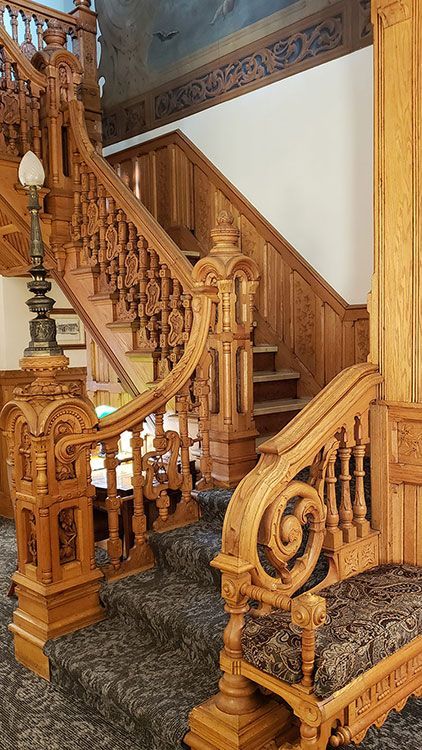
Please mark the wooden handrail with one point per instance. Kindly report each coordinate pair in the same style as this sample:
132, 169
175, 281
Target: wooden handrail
167, 249
316, 330
152, 400
321, 426
23, 64
35, 8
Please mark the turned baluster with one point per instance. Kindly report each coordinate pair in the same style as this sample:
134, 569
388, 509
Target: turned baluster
143, 341
139, 522
182, 408
131, 279
187, 305
333, 536
103, 279
36, 131
160, 442
126, 269
39, 23
114, 544
77, 208
91, 494
13, 15
113, 249
346, 509
359, 506
202, 394
92, 227
85, 259
8, 72
176, 322
23, 116
165, 326
153, 303
29, 47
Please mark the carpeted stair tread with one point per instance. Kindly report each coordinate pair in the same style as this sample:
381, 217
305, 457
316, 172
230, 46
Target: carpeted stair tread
213, 504
35, 714
188, 551
176, 611
146, 689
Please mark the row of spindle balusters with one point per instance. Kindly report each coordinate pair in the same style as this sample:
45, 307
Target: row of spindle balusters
19, 111
145, 292
161, 476
345, 490
26, 27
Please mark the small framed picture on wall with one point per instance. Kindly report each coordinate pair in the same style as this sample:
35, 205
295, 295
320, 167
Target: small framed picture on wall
70, 329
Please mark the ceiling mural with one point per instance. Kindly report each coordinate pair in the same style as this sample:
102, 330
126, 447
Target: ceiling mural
161, 59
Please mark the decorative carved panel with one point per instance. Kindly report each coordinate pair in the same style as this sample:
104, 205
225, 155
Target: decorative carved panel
68, 535
154, 75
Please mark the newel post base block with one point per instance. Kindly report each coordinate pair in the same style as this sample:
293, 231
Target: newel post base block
232, 459
57, 581
211, 729
46, 612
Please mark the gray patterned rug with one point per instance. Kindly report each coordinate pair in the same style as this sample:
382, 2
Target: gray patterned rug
130, 682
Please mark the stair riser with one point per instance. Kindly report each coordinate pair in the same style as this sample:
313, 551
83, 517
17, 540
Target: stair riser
272, 423
273, 390
264, 361
172, 632
138, 732
189, 560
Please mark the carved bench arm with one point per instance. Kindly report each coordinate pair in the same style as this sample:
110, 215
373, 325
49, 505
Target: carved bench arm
309, 612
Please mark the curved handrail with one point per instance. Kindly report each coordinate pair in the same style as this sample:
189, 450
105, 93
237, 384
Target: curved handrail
24, 65
150, 401
136, 212
256, 508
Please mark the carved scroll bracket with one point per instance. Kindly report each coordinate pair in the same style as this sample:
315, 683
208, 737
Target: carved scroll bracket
393, 11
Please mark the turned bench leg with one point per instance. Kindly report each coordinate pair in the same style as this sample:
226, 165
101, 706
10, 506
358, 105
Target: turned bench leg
314, 738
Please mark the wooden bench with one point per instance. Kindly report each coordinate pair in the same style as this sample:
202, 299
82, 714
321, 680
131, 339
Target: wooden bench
346, 652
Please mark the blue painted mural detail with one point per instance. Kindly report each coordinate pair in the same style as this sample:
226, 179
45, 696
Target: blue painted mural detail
188, 26
268, 61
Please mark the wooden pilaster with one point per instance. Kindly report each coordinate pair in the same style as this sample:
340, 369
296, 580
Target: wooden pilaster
396, 299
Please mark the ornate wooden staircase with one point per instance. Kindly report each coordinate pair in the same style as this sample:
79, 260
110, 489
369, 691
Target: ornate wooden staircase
142, 297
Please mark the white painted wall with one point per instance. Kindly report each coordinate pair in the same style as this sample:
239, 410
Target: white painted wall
64, 5
301, 151
14, 323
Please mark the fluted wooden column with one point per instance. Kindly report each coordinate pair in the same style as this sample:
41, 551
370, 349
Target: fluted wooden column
396, 299
233, 431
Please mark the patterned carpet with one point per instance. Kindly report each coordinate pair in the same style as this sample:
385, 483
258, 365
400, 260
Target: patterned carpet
130, 682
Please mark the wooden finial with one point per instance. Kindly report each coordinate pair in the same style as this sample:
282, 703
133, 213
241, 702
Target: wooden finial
225, 235
82, 3
54, 35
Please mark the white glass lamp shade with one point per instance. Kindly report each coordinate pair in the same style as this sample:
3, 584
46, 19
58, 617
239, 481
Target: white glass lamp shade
31, 171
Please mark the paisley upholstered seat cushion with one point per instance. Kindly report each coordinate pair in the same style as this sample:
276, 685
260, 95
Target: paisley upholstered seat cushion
369, 617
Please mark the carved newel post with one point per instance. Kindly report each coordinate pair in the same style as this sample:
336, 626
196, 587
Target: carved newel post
57, 582
233, 432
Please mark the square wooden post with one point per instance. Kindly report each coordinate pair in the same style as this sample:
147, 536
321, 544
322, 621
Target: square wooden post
233, 432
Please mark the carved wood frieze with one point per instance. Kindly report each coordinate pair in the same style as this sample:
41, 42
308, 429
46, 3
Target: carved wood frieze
330, 33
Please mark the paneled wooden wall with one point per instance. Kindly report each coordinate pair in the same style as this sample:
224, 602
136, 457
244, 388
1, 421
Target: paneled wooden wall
103, 385
316, 331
